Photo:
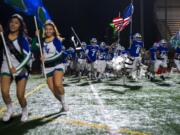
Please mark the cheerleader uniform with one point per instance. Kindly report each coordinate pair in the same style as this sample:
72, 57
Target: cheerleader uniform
54, 57
19, 53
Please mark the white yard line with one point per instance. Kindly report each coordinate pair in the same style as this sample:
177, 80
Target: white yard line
113, 129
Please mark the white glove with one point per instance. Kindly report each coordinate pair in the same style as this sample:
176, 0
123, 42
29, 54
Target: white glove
72, 39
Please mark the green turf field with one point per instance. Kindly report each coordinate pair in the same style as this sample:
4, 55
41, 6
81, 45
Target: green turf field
97, 108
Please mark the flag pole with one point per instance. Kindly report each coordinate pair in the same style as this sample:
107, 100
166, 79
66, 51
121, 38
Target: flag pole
119, 32
40, 47
76, 36
131, 27
142, 20
6, 51
5, 48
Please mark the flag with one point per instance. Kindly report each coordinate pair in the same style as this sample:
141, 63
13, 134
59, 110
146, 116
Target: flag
30, 7
127, 16
114, 30
118, 22
121, 23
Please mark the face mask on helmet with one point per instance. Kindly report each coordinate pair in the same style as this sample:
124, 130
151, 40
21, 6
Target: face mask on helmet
71, 49
84, 44
137, 37
122, 48
118, 45
163, 42
103, 44
155, 45
93, 41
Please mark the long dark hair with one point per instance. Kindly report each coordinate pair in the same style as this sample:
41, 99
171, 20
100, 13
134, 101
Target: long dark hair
22, 28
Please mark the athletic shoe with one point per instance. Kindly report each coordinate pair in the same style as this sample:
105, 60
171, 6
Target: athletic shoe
7, 116
152, 79
24, 117
162, 77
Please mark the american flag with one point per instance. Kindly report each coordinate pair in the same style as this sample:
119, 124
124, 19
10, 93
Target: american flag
121, 23
118, 22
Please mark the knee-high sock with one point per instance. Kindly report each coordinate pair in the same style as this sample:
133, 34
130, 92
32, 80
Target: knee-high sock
61, 98
9, 107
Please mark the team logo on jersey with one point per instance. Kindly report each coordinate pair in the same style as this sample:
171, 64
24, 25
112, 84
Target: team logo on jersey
46, 48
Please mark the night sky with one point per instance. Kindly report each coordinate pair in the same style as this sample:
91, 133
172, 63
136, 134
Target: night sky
91, 18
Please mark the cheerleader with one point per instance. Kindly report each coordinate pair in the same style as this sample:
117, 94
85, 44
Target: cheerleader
19, 53
53, 58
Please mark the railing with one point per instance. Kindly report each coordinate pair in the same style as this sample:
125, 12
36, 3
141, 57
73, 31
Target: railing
174, 25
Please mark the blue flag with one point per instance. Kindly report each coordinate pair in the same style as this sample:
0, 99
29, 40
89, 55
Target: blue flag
30, 7
127, 16
129, 10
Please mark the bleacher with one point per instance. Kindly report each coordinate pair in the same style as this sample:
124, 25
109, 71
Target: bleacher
173, 17
174, 25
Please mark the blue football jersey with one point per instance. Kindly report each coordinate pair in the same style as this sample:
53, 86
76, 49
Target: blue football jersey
82, 54
163, 51
136, 48
178, 50
153, 53
102, 53
109, 56
117, 52
65, 54
72, 53
92, 52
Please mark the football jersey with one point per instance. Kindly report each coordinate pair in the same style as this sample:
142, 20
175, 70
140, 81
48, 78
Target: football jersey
92, 52
109, 56
136, 48
153, 53
72, 54
82, 54
65, 55
163, 51
102, 53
